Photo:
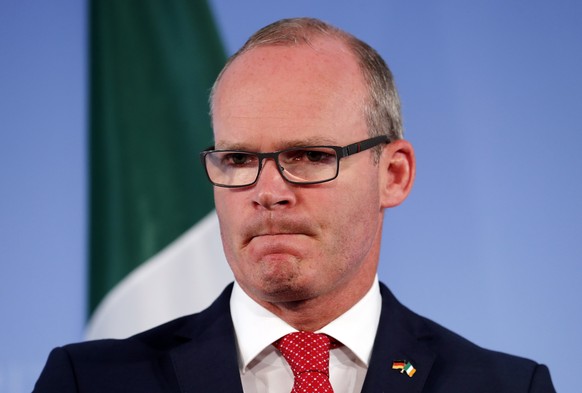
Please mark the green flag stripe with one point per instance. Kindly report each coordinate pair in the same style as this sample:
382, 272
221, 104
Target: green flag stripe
152, 64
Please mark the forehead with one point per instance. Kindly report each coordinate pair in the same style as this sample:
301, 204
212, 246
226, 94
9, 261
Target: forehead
290, 93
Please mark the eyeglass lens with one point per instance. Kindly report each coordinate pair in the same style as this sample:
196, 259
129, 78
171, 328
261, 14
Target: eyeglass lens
301, 165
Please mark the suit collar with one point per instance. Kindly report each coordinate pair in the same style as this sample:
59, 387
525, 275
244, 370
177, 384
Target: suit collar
207, 359
401, 336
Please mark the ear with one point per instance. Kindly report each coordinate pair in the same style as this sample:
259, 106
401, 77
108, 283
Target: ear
397, 171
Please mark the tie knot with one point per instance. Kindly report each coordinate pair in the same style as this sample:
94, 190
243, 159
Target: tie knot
306, 352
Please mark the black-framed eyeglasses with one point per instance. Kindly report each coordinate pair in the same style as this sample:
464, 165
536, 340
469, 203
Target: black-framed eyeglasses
297, 165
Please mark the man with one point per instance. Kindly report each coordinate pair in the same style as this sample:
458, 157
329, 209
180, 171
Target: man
309, 153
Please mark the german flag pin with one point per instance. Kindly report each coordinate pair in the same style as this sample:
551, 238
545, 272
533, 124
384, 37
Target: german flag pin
404, 367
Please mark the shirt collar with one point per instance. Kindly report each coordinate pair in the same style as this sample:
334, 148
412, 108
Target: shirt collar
256, 328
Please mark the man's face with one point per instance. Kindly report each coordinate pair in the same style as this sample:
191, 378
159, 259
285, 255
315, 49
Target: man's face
286, 242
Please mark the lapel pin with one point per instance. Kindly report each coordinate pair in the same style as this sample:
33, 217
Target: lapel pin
404, 366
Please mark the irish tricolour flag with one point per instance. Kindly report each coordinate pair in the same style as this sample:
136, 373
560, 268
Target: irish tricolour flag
155, 251
404, 366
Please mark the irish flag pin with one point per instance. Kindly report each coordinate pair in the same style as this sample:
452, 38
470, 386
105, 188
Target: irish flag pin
404, 366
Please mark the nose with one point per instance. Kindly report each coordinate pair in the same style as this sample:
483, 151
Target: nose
271, 191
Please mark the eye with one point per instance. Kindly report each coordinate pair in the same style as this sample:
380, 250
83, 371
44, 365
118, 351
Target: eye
238, 159
321, 155
315, 155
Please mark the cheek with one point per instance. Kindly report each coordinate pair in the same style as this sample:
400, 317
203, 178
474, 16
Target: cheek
226, 217
357, 220
225, 204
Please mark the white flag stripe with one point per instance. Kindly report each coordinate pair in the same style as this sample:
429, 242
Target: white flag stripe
183, 278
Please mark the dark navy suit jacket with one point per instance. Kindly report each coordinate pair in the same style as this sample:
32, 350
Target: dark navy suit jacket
197, 353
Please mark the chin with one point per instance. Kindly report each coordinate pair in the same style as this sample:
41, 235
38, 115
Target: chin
286, 288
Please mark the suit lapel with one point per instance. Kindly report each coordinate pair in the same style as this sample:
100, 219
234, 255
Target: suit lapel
400, 336
207, 360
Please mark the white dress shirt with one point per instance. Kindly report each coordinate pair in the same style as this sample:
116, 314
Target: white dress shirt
263, 369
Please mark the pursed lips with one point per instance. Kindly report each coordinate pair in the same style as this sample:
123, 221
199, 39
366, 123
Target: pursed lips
274, 236
268, 229
276, 243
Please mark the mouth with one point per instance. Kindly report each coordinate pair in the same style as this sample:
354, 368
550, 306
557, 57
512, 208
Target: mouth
275, 237
277, 232
275, 247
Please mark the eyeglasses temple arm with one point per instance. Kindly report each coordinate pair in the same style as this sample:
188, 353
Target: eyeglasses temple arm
364, 145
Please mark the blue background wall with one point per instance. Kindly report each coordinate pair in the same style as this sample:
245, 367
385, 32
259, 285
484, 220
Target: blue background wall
489, 244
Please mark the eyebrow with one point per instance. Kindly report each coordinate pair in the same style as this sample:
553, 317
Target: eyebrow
311, 141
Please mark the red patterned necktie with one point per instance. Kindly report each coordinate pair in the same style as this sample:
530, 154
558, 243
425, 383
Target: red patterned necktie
308, 355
